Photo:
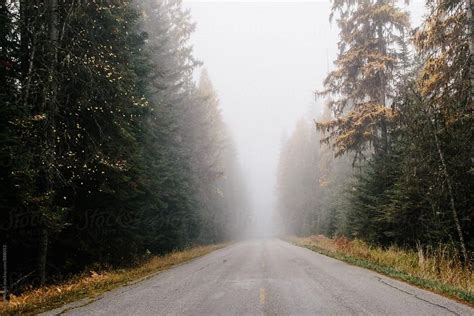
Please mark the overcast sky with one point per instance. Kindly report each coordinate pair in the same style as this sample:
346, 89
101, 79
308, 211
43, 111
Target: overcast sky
266, 59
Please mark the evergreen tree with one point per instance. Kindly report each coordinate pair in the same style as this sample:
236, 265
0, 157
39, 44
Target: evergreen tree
207, 141
170, 219
109, 150
445, 84
312, 184
370, 36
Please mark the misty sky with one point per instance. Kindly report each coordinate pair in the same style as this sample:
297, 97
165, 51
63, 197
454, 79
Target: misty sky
265, 59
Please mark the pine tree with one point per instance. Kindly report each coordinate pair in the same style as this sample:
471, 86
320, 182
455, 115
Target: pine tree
445, 85
207, 141
297, 185
170, 218
363, 82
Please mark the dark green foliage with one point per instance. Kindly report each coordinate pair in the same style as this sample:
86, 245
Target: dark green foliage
403, 197
98, 157
419, 189
367, 217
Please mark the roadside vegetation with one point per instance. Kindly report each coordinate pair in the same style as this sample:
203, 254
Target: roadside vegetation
94, 283
112, 142
438, 269
389, 159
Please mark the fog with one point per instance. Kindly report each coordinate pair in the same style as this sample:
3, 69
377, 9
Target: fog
266, 59
139, 134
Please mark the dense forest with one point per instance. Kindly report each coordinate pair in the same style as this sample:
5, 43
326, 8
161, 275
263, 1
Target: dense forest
391, 158
111, 150
113, 147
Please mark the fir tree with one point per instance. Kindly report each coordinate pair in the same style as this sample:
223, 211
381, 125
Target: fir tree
363, 81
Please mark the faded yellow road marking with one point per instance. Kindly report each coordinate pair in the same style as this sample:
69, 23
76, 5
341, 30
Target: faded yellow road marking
262, 296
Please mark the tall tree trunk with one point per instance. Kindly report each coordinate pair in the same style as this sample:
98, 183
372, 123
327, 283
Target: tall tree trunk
449, 184
24, 25
451, 199
470, 30
53, 24
49, 135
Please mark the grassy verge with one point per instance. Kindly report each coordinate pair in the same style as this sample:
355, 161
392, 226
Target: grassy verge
93, 284
436, 269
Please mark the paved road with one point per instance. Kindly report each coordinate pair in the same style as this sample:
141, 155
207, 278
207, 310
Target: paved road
269, 277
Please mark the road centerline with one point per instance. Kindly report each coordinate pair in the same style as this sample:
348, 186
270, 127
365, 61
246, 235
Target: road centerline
262, 296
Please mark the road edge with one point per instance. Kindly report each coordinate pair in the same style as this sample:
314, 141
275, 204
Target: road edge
433, 286
60, 304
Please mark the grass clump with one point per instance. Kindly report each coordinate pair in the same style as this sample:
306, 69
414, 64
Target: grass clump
92, 284
435, 269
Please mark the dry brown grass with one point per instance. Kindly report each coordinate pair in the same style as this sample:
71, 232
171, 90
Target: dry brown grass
438, 269
92, 284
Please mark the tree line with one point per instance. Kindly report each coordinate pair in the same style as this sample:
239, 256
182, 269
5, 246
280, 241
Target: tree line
110, 150
391, 158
